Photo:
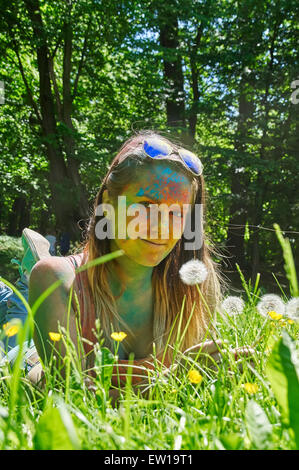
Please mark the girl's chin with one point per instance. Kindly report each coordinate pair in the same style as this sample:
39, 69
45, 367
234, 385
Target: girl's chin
150, 259
143, 252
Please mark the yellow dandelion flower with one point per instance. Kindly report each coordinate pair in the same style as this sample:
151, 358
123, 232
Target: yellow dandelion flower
251, 388
194, 376
291, 322
54, 336
118, 336
274, 315
10, 330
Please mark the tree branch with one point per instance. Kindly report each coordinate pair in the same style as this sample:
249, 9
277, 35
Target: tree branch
29, 92
82, 59
52, 55
56, 90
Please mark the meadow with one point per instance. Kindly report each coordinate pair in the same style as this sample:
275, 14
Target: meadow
244, 404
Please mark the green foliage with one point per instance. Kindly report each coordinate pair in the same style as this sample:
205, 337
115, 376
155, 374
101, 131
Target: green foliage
104, 361
55, 429
232, 441
289, 262
216, 414
10, 247
283, 372
259, 427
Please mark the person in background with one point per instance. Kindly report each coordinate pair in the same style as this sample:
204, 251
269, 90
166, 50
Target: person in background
51, 237
65, 240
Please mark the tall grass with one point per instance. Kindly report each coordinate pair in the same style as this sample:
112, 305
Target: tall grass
221, 412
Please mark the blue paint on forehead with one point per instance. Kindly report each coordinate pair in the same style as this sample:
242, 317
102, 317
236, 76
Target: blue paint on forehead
174, 176
165, 177
141, 191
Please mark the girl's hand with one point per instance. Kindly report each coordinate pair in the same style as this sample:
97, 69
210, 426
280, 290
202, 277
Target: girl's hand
243, 353
209, 353
208, 347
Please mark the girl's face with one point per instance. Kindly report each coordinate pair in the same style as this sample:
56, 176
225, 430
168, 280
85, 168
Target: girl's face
155, 184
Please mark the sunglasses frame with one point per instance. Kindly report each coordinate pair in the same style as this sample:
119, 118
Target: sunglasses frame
171, 152
175, 152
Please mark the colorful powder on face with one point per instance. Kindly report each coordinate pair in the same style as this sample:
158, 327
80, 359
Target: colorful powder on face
167, 184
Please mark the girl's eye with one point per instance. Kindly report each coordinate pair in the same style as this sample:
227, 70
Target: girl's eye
175, 213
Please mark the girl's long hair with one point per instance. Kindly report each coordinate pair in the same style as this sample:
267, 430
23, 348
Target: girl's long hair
168, 289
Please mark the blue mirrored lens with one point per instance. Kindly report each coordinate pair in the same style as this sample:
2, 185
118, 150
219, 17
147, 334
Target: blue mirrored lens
192, 161
155, 148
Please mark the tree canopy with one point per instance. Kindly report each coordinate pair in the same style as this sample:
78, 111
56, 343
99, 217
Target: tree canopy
81, 76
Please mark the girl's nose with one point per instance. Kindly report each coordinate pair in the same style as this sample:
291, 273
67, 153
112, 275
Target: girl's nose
160, 225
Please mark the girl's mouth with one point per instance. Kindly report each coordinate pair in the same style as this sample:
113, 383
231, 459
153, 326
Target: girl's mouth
153, 243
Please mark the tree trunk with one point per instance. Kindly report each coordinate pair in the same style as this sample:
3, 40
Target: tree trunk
24, 220
240, 180
79, 194
236, 226
13, 217
61, 184
261, 182
195, 91
193, 58
172, 65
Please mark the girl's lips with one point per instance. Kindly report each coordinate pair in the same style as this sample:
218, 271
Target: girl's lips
152, 243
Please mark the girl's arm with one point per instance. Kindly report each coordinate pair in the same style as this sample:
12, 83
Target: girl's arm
210, 352
141, 369
53, 310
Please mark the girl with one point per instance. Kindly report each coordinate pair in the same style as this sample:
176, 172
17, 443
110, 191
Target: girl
140, 292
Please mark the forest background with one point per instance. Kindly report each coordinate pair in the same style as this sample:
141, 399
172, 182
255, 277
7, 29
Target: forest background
77, 78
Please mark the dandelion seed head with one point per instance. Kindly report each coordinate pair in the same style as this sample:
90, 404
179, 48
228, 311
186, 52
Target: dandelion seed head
292, 308
193, 272
232, 305
270, 303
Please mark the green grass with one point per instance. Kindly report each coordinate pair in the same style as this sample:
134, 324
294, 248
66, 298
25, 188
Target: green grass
218, 413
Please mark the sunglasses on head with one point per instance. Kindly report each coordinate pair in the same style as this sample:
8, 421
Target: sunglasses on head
157, 148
